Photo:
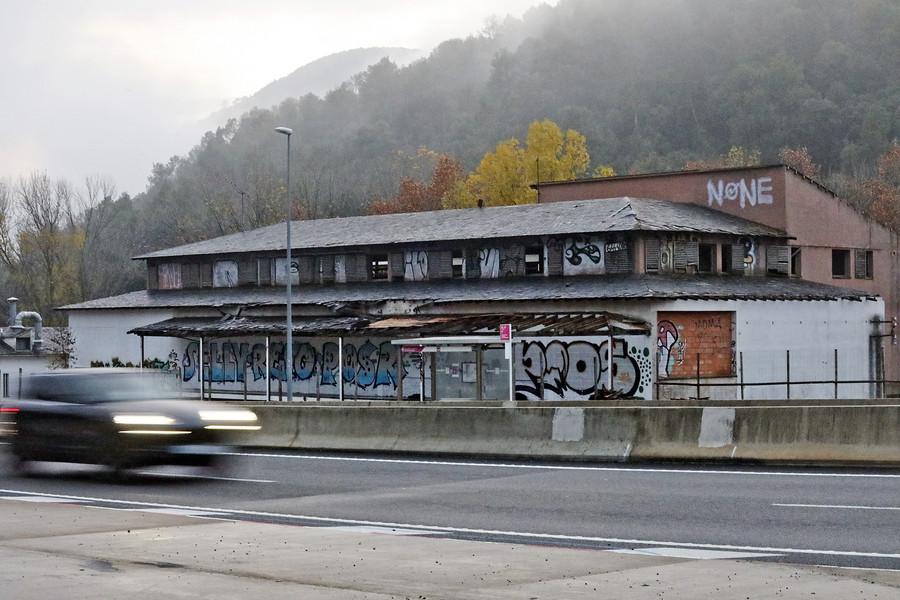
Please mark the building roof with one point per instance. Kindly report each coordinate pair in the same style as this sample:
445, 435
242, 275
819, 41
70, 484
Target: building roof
497, 222
505, 290
787, 168
540, 324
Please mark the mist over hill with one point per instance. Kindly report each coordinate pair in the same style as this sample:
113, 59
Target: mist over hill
318, 78
650, 84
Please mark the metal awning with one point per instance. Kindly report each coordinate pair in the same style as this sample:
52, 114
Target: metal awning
473, 327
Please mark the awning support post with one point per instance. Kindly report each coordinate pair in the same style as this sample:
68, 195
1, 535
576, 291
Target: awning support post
202, 391
510, 354
340, 373
268, 372
609, 364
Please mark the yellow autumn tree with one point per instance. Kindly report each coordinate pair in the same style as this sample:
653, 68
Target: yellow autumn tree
506, 175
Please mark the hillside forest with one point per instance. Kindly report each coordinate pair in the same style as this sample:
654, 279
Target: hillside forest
580, 89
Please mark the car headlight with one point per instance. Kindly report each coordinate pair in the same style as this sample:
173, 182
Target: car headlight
235, 419
147, 425
142, 420
227, 415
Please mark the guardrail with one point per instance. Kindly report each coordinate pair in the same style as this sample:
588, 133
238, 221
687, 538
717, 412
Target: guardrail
861, 432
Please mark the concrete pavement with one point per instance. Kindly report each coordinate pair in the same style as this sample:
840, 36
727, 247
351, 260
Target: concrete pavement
52, 550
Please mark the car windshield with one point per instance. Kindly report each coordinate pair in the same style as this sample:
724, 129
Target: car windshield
86, 388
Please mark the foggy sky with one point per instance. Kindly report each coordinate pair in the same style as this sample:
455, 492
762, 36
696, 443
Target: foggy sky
106, 87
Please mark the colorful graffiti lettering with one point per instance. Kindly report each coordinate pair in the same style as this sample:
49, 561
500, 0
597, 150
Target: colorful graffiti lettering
368, 366
580, 368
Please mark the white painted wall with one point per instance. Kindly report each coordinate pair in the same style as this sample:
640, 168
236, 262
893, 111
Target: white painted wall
810, 330
19, 367
764, 331
101, 335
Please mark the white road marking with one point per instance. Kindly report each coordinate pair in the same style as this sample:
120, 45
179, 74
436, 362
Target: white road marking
693, 554
384, 530
180, 512
633, 469
195, 476
533, 537
844, 506
44, 499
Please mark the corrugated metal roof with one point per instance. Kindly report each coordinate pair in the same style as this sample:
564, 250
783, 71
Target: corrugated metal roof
504, 290
557, 324
498, 222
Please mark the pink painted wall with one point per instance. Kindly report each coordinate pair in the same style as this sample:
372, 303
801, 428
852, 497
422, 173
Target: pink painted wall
778, 197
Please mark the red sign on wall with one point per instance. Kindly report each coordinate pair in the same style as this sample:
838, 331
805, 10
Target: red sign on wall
505, 332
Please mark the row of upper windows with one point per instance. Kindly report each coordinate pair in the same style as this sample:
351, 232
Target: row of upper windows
864, 263
581, 256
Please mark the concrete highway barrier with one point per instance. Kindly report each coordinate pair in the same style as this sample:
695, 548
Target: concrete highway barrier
861, 432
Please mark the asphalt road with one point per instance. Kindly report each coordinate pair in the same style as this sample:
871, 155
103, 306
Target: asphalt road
838, 517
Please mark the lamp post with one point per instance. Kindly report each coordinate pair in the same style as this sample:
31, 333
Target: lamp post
289, 344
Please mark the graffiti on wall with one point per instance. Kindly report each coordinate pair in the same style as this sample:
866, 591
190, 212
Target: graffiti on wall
415, 265
367, 365
489, 259
749, 252
169, 276
583, 256
278, 275
688, 341
669, 348
225, 273
497, 262
581, 368
757, 191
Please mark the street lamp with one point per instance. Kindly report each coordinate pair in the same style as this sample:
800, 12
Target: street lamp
289, 346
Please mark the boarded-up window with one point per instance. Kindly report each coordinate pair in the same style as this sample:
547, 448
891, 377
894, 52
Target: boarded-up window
778, 260
190, 275
247, 272
440, 264
738, 255
618, 257
305, 270
356, 267
554, 259
863, 263
692, 253
169, 276
397, 267
681, 258
651, 255
206, 274
326, 268
686, 340
264, 271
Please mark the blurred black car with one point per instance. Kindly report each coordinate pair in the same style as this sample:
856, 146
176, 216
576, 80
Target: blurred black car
121, 418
